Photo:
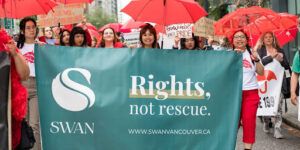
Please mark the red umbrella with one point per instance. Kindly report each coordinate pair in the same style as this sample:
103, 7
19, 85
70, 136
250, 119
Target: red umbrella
131, 24
286, 36
24, 8
284, 27
88, 25
73, 1
242, 17
283, 36
94, 33
271, 23
116, 26
68, 27
160, 28
165, 12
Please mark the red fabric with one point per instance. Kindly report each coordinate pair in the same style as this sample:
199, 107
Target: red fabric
116, 26
165, 12
88, 37
118, 45
19, 105
42, 39
94, 33
248, 115
88, 25
283, 36
20, 9
131, 24
73, 1
238, 19
18, 95
68, 27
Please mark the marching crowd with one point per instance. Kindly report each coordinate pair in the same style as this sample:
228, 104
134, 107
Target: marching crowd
265, 51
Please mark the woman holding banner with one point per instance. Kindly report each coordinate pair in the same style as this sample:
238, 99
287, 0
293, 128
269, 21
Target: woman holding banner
250, 97
78, 37
64, 37
148, 38
268, 49
187, 43
27, 40
109, 39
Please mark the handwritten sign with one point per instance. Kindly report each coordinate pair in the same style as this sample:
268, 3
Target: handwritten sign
63, 14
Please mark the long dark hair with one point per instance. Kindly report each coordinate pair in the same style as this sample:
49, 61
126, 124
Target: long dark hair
152, 30
248, 48
22, 26
102, 43
61, 36
195, 38
77, 30
232, 38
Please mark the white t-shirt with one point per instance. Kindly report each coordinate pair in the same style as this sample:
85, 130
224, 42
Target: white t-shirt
28, 52
249, 75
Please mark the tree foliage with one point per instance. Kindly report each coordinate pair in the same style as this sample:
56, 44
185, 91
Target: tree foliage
99, 18
219, 8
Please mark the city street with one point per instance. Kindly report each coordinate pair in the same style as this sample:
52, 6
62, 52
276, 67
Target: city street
268, 142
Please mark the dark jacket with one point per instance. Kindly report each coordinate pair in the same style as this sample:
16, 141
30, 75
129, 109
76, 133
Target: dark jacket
285, 88
268, 59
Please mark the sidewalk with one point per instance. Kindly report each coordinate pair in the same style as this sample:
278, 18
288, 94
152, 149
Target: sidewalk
291, 117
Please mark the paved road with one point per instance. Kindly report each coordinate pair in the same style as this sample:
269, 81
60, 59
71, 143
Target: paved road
267, 142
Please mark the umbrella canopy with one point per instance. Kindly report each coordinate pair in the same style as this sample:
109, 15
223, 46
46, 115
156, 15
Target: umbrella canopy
242, 17
283, 36
88, 25
24, 8
94, 33
271, 23
286, 36
284, 27
165, 12
131, 24
73, 1
116, 26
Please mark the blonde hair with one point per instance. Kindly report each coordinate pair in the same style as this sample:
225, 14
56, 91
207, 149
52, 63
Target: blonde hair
275, 42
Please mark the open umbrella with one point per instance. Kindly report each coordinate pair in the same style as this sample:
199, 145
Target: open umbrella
24, 8
88, 25
270, 23
116, 26
284, 27
242, 17
131, 24
94, 33
165, 12
285, 36
73, 1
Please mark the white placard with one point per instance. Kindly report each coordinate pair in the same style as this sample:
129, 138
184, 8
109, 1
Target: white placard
180, 30
270, 89
132, 38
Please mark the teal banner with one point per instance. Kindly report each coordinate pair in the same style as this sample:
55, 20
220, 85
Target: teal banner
138, 99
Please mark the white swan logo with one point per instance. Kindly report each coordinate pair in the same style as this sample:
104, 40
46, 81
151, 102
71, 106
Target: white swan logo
71, 95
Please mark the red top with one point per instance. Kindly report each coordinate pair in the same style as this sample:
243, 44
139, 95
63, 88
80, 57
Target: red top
118, 45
